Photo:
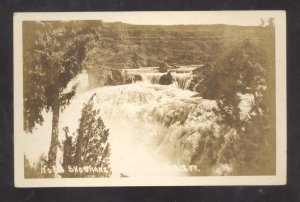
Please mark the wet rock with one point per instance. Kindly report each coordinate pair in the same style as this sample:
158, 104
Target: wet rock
116, 77
138, 78
98, 76
132, 78
166, 79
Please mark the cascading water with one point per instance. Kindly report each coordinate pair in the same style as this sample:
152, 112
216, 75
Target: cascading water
137, 116
151, 126
151, 78
182, 80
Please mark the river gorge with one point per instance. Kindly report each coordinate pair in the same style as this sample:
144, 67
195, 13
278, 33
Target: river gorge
151, 126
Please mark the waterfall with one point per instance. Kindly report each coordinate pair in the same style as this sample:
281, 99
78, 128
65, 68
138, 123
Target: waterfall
151, 126
181, 80
151, 78
145, 122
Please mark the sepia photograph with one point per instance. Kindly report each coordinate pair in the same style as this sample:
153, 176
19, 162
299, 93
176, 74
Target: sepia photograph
150, 98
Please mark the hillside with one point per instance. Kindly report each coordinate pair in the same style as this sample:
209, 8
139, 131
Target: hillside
119, 45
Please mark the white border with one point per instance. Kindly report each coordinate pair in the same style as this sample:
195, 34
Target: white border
281, 127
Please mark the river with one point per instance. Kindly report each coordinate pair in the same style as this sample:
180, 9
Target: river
151, 126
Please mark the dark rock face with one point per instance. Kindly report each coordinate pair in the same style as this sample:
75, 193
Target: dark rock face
98, 76
137, 78
132, 79
104, 76
166, 79
129, 80
123, 46
115, 78
194, 83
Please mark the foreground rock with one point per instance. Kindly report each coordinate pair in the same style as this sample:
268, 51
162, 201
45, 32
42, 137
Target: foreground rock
166, 79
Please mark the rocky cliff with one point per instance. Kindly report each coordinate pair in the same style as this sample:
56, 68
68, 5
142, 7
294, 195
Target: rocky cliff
119, 46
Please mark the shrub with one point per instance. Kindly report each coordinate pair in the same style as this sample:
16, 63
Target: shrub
91, 148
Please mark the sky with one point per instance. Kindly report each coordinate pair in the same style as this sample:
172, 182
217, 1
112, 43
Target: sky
249, 18
173, 18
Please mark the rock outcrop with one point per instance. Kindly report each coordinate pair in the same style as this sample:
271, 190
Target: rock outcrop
103, 76
166, 79
121, 46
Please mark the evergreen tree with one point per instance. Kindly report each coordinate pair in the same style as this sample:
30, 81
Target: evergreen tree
38, 169
92, 147
239, 71
53, 55
68, 150
245, 69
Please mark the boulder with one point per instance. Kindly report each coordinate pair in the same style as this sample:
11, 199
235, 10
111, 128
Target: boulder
138, 78
166, 79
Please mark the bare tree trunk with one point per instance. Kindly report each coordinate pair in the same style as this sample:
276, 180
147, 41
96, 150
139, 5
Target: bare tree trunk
54, 136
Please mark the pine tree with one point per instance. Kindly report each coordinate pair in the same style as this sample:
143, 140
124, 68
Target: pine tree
68, 150
92, 147
53, 55
245, 69
239, 71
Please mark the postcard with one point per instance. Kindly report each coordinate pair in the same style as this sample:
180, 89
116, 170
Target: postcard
185, 98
